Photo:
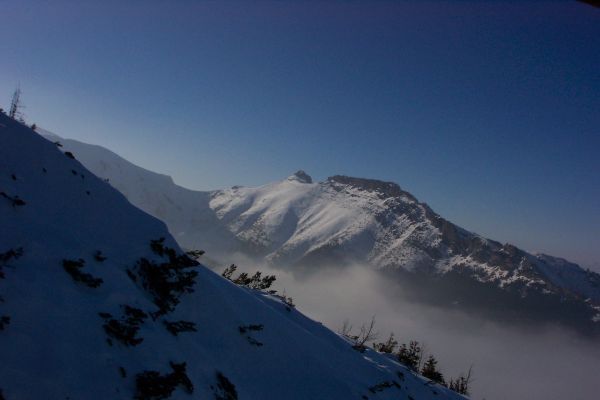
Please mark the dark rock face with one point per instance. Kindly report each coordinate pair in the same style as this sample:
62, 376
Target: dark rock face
303, 177
386, 189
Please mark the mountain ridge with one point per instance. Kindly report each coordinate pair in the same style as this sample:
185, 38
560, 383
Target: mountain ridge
298, 222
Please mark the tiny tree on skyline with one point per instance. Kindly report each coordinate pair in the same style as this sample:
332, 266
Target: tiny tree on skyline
15, 105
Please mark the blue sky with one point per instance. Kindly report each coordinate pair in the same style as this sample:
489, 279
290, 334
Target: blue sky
487, 111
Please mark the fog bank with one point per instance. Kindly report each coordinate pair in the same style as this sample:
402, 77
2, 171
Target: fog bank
509, 362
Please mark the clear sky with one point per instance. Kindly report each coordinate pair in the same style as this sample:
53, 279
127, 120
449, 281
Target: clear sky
487, 111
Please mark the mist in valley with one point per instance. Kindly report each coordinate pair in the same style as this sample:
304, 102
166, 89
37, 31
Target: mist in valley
509, 362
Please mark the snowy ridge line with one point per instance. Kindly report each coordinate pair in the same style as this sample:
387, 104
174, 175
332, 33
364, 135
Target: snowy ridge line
297, 222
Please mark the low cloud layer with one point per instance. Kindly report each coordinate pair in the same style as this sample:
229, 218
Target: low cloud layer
509, 362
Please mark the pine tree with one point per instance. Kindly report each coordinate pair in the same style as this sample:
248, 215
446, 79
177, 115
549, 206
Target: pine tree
15, 105
411, 355
430, 371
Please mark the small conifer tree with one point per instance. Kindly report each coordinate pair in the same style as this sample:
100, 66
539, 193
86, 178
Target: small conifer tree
431, 371
411, 355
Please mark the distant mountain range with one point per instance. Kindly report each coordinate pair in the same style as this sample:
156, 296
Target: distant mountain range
300, 224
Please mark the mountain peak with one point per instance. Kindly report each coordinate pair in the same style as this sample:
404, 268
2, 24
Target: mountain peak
301, 177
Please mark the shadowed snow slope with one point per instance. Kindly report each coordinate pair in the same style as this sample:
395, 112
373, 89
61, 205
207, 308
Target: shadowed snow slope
52, 340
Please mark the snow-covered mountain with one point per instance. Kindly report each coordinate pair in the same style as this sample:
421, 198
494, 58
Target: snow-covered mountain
304, 224
95, 305
298, 222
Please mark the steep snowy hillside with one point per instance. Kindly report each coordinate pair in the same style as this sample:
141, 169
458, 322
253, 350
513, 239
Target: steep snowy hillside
297, 222
186, 212
96, 306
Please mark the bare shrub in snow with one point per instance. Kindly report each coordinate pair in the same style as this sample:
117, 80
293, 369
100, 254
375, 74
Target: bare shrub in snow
287, 300
166, 281
389, 346
4, 321
380, 387
366, 334
15, 200
176, 327
152, 385
74, 267
245, 329
10, 254
126, 328
98, 256
346, 330
461, 384
226, 389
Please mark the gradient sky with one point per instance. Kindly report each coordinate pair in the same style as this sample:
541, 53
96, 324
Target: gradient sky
487, 111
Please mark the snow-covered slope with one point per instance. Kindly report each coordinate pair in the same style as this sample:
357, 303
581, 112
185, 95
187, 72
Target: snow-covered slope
300, 223
297, 221
81, 285
190, 219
